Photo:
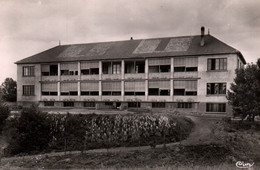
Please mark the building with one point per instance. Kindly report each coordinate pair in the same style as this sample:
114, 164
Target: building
190, 73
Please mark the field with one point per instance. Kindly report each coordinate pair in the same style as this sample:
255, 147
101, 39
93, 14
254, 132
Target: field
214, 144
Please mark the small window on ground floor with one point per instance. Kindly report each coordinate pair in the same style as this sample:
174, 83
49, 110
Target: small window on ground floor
109, 103
89, 93
131, 93
111, 93
70, 93
47, 93
89, 104
68, 104
134, 104
216, 107
158, 105
49, 103
185, 105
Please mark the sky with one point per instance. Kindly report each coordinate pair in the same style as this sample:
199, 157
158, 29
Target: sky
28, 27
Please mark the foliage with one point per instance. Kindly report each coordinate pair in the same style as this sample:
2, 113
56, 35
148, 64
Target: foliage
80, 132
4, 113
244, 95
32, 132
8, 90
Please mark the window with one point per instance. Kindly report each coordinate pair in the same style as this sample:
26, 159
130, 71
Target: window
216, 88
111, 67
68, 69
159, 65
216, 107
89, 93
134, 104
111, 93
111, 88
89, 104
159, 68
48, 103
69, 89
134, 66
185, 64
159, 88
109, 103
184, 105
28, 90
158, 105
185, 88
89, 68
49, 89
47, 93
28, 71
49, 70
68, 104
116, 68
217, 64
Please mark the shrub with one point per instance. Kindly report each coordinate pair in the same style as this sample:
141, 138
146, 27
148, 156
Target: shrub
32, 132
4, 113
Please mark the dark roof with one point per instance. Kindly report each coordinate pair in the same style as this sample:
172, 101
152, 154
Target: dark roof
144, 48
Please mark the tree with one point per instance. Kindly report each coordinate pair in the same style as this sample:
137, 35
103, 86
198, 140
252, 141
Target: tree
244, 93
8, 90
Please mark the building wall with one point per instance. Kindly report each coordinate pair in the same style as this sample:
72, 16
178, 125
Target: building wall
34, 80
202, 76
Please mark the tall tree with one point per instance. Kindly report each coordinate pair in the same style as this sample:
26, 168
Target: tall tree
8, 90
244, 93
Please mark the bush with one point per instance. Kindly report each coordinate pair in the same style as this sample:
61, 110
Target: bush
32, 132
77, 132
4, 113
35, 131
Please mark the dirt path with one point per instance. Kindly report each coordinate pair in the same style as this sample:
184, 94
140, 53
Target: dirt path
201, 134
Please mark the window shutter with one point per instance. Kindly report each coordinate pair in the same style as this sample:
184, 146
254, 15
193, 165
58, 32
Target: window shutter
178, 62
191, 62
159, 61
65, 87
49, 87
159, 84
137, 86
89, 86
45, 68
179, 84
191, 85
88, 65
69, 66
111, 86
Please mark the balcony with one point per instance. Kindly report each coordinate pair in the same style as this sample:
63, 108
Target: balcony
185, 74
69, 98
111, 98
89, 98
185, 98
90, 77
159, 75
135, 76
159, 98
134, 98
49, 78
69, 77
111, 76
49, 98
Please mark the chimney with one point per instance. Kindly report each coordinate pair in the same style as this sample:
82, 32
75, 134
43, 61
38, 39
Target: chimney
202, 38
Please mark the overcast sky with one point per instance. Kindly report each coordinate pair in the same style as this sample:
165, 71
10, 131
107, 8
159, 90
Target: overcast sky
28, 27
